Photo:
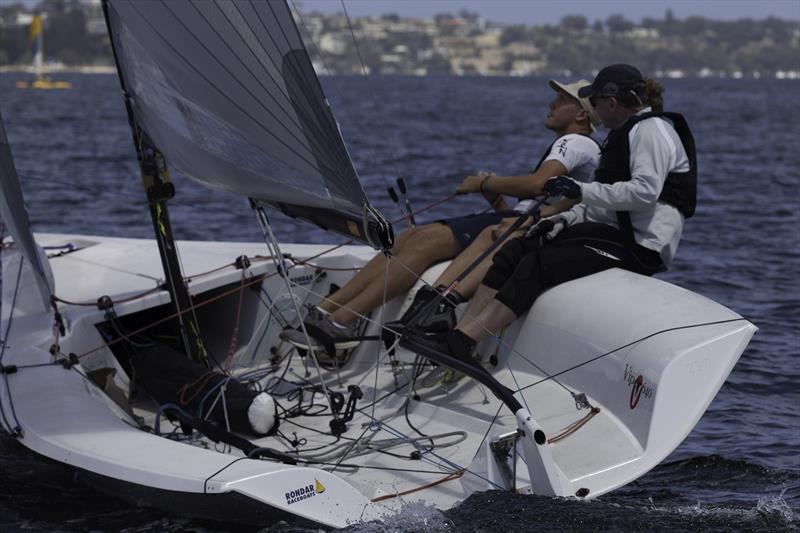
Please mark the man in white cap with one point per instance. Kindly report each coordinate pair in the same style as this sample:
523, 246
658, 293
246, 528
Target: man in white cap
334, 322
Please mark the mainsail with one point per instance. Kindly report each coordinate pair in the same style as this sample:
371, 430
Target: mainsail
227, 92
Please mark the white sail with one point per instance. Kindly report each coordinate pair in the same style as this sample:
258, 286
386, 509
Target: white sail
15, 217
37, 45
227, 92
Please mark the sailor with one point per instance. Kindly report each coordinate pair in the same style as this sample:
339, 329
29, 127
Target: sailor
335, 322
631, 216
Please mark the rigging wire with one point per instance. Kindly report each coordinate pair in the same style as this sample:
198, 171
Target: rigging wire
637, 341
374, 155
369, 85
280, 263
380, 324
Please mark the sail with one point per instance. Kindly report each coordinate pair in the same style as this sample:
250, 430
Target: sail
14, 216
37, 45
226, 91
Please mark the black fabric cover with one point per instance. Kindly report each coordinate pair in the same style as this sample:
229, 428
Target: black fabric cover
169, 377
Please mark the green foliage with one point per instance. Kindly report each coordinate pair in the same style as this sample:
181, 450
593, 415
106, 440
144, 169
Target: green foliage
575, 43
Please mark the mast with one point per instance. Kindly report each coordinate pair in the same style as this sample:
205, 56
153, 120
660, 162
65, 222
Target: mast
159, 189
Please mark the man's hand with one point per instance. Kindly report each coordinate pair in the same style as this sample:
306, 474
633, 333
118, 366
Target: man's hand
473, 183
563, 186
548, 228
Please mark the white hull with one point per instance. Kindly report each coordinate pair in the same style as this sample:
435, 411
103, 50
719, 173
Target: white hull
639, 423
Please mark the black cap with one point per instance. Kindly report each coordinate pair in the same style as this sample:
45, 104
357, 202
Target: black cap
613, 80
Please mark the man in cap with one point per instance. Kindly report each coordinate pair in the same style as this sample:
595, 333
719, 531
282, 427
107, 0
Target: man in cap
334, 322
631, 216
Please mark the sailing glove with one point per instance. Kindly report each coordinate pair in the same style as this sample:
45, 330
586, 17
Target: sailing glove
563, 186
547, 228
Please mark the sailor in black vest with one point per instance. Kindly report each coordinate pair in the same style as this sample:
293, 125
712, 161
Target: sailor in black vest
335, 322
630, 217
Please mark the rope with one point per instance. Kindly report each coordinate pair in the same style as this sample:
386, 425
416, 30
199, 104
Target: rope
194, 306
574, 427
235, 334
199, 383
445, 479
256, 258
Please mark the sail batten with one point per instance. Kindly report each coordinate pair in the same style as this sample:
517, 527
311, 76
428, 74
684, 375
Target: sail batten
227, 92
221, 93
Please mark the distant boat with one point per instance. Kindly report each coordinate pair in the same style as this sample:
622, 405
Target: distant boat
37, 50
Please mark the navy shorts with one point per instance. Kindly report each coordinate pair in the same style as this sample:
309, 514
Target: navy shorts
466, 229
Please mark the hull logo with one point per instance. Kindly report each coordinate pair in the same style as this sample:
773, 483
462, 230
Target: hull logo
639, 387
304, 493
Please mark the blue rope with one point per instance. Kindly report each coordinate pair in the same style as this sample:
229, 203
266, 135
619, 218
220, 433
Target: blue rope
160, 411
218, 385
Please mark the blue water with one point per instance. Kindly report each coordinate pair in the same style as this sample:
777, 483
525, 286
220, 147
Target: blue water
739, 468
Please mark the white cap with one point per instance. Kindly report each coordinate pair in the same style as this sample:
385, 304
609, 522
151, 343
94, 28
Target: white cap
572, 90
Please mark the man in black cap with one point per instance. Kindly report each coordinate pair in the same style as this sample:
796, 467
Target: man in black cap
631, 216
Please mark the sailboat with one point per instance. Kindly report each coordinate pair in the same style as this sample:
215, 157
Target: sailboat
155, 368
37, 51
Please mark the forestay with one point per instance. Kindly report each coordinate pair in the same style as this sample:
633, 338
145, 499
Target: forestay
227, 92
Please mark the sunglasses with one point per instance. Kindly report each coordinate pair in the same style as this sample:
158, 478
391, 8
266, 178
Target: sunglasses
595, 97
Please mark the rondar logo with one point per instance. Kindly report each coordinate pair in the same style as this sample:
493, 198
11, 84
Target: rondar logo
304, 493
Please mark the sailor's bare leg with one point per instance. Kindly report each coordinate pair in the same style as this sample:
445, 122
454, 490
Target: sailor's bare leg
467, 287
374, 269
485, 315
431, 243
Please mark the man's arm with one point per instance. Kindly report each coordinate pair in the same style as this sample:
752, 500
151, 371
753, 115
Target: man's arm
546, 211
653, 154
521, 186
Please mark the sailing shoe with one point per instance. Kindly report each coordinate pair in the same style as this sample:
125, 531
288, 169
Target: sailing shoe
438, 320
323, 333
315, 315
453, 349
333, 344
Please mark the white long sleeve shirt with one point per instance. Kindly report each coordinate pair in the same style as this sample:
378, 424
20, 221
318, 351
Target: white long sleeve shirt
656, 150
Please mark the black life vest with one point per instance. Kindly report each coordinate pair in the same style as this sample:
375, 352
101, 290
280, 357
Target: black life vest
680, 188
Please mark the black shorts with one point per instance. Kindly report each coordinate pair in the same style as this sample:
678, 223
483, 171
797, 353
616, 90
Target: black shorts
466, 229
522, 269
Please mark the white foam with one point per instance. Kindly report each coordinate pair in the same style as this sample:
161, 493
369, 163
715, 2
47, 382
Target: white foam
412, 518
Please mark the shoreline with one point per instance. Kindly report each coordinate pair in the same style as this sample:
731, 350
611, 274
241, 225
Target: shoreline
73, 69
673, 74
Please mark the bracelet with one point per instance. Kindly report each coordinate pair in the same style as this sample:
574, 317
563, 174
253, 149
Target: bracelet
484, 182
